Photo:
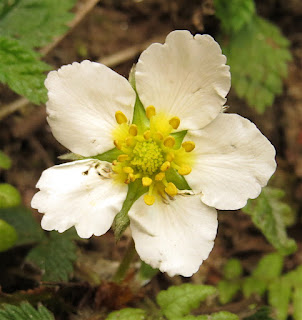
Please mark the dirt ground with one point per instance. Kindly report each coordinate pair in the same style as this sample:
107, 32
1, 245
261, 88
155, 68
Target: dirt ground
114, 26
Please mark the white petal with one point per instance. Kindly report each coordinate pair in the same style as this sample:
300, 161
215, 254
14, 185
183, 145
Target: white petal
233, 161
83, 99
186, 77
69, 197
174, 237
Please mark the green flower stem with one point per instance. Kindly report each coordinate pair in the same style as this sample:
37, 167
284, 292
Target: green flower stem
125, 263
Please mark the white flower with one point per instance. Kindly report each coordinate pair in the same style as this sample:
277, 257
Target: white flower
224, 158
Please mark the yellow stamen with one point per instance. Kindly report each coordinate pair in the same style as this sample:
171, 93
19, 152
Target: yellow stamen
170, 156
174, 122
169, 142
129, 141
122, 157
158, 136
114, 162
120, 117
132, 177
184, 170
128, 170
133, 130
150, 112
188, 146
165, 166
146, 181
117, 144
147, 134
149, 199
171, 189
159, 176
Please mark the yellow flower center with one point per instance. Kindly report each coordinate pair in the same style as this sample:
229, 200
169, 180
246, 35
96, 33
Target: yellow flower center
150, 154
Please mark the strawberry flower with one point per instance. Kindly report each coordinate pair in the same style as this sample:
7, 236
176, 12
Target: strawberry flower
157, 150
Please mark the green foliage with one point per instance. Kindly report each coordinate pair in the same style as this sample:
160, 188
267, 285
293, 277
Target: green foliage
269, 214
5, 162
127, 314
21, 70
24, 223
34, 22
234, 14
24, 312
8, 236
178, 301
9, 196
232, 269
261, 314
55, 255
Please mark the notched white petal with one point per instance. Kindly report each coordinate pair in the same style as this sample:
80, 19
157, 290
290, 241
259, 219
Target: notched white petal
83, 98
185, 77
176, 236
81, 194
233, 161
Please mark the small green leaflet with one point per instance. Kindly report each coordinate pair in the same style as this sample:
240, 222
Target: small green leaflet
5, 162
21, 70
258, 55
24, 312
8, 236
268, 213
234, 14
178, 301
127, 314
34, 22
55, 256
9, 196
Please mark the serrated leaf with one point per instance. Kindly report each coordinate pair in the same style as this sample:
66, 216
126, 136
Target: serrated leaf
232, 269
23, 221
178, 301
24, 312
34, 22
127, 314
234, 14
227, 290
279, 292
258, 55
55, 256
8, 236
269, 267
267, 214
297, 303
9, 196
22, 71
5, 162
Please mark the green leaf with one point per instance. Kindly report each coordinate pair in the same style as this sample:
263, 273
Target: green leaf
24, 312
5, 162
34, 22
223, 315
23, 221
178, 301
55, 256
234, 14
253, 286
9, 196
21, 70
267, 212
261, 314
279, 292
258, 55
269, 267
297, 303
146, 273
8, 236
227, 290
232, 269
127, 314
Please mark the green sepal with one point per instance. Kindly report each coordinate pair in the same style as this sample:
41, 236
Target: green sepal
178, 136
71, 156
109, 155
139, 114
121, 220
180, 182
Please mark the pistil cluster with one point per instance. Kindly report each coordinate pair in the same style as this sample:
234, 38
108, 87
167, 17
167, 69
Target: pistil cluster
148, 155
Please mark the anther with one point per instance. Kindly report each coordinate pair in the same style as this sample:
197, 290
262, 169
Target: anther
169, 142
170, 156
117, 144
158, 136
149, 199
150, 112
122, 157
147, 134
132, 177
174, 122
184, 170
165, 166
146, 181
133, 130
128, 170
114, 162
120, 117
171, 189
188, 146
129, 141
160, 176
